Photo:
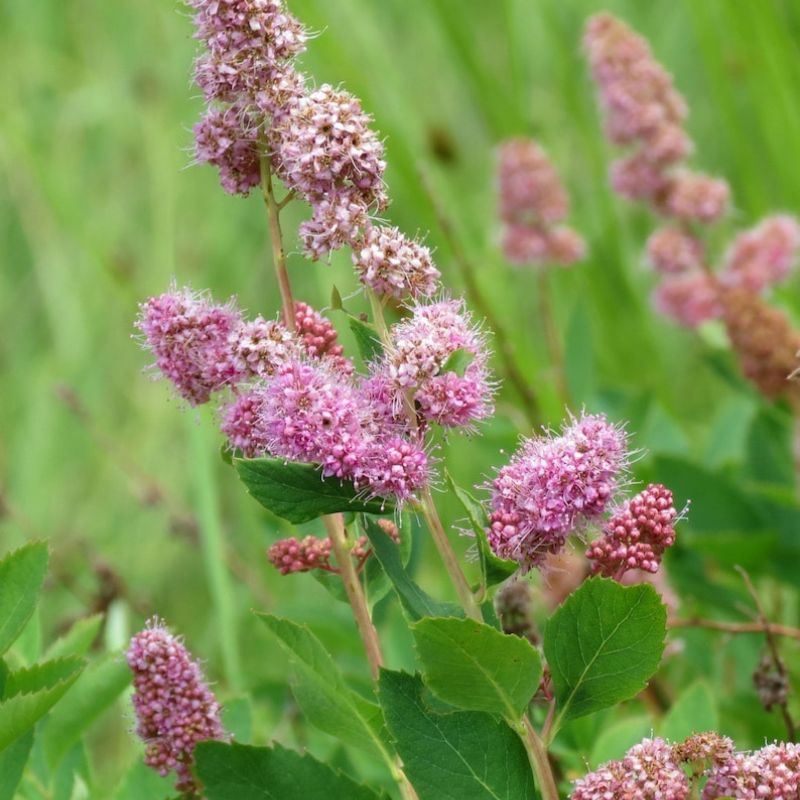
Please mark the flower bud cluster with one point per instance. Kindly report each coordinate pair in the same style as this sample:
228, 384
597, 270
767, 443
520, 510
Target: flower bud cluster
417, 366
533, 202
637, 535
174, 707
553, 486
772, 772
312, 552
513, 605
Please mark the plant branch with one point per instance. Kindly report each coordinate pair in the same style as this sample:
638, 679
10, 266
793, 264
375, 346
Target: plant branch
737, 627
540, 761
466, 268
334, 525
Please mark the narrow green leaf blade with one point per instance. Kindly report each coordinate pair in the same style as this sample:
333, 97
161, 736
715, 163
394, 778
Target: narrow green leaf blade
298, 492
12, 765
367, 339
241, 772
21, 576
97, 688
456, 755
416, 602
495, 570
473, 666
321, 692
31, 693
603, 645
78, 640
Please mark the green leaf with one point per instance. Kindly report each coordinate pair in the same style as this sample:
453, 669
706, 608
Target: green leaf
769, 448
321, 692
240, 772
694, 712
12, 765
97, 688
237, 718
144, 783
367, 339
298, 492
457, 362
614, 740
455, 755
494, 570
336, 300
416, 602
21, 576
603, 645
473, 666
77, 641
31, 693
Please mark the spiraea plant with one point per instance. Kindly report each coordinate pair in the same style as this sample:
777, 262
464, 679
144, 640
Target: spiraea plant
350, 442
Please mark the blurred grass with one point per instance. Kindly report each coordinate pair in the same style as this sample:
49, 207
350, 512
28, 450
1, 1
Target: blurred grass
98, 210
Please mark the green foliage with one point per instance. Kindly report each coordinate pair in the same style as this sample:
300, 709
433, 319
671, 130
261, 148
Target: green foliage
239, 772
603, 645
695, 711
12, 764
416, 602
457, 362
21, 576
493, 569
298, 493
30, 693
321, 692
367, 339
78, 639
452, 755
614, 740
96, 689
476, 667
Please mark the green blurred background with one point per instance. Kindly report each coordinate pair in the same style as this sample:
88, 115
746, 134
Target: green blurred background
99, 209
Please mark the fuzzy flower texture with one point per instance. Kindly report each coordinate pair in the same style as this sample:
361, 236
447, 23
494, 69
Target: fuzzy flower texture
295, 395
174, 707
319, 142
533, 202
654, 770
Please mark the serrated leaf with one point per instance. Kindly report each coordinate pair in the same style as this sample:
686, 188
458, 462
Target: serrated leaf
367, 339
472, 666
12, 765
21, 576
241, 772
31, 693
603, 645
78, 640
416, 601
298, 492
321, 692
96, 689
457, 362
494, 570
695, 711
455, 755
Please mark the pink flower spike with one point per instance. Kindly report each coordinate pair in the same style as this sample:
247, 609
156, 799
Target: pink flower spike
672, 250
690, 298
772, 773
260, 347
242, 425
764, 255
174, 707
694, 197
190, 338
553, 486
319, 338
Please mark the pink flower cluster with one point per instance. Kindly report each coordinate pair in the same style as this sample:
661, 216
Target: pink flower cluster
292, 555
644, 111
416, 370
772, 773
647, 772
763, 255
174, 707
637, 535
393, 265
245, 68
553, 486
532, 203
